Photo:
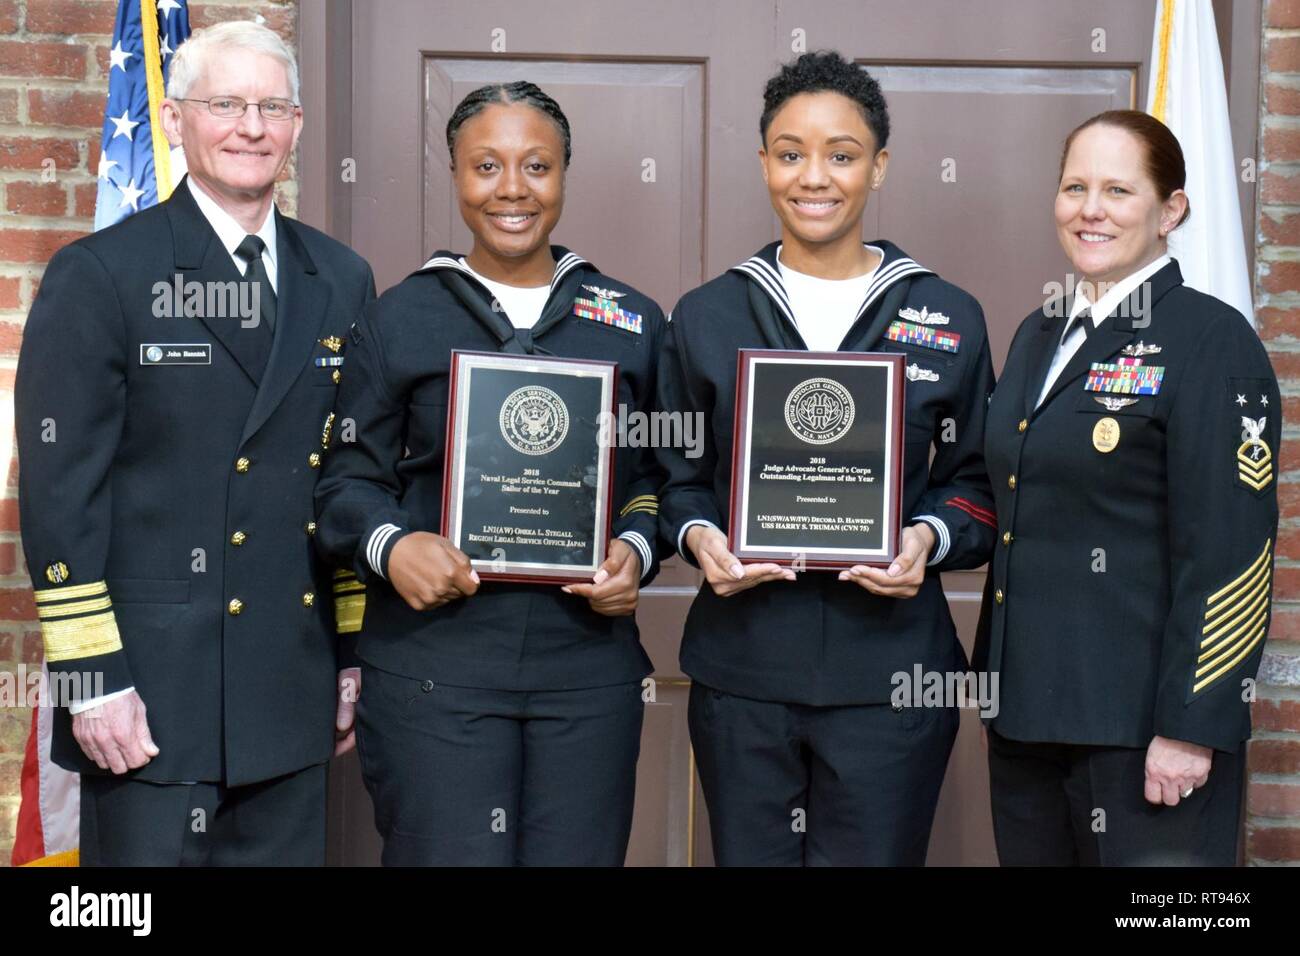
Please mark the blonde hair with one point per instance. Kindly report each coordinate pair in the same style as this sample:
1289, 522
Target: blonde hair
191, 57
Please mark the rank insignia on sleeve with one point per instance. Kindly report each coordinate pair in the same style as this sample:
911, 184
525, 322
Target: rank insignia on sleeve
917, 374
909, 333
76, 619
1254, 458
607, 312
56, 572
349, 602
1127, 377
924, 317
333, 343
1234, 622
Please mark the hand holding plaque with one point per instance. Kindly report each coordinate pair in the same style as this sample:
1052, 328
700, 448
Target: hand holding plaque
527, 482
817, 459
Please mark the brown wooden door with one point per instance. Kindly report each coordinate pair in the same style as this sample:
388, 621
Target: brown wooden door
664, 192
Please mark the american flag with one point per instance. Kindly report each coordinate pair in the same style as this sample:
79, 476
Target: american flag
135, 162
135, 166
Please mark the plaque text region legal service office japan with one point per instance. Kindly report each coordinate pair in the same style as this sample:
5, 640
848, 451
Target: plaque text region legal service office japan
527, 480
817, 458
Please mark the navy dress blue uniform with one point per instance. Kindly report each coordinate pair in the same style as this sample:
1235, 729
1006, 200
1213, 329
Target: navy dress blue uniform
169, 449
790, 705
1130, 588
502, 728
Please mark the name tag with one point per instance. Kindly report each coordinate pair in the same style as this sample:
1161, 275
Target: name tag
173, 353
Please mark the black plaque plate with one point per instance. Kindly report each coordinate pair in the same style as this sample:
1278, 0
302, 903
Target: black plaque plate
817, 460
526, 487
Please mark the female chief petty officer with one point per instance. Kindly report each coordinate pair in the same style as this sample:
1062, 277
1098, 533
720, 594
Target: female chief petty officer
1131, 443
802, 757
498, 723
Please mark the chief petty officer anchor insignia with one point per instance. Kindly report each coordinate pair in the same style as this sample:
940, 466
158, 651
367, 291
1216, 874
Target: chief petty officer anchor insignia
1254, 457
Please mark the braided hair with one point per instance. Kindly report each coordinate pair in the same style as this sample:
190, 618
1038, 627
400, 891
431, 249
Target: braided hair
520, 91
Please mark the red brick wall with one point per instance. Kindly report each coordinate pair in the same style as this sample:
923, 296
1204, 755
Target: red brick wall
1273, 801
53, 80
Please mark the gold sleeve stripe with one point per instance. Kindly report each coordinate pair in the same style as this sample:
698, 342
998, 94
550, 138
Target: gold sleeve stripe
1248, 604
54, 612
46, 595
344, 573
348, 612
1235, 621
349, 587
641, 503
1257, 618
77, 637
1254, 567
1245, 652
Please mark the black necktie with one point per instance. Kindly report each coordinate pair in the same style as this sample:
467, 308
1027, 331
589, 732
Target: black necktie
250, 250
1083, 320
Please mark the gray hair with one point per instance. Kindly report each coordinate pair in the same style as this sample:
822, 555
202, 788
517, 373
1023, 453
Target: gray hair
191, 57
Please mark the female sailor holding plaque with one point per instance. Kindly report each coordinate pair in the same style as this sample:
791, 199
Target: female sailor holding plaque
499, 723
803, 757
1131, 443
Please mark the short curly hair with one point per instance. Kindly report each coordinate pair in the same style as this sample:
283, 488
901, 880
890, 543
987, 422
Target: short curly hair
827, 71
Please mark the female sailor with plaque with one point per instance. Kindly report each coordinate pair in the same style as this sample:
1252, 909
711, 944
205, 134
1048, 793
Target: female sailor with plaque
1131, 443
803, 757
499, 723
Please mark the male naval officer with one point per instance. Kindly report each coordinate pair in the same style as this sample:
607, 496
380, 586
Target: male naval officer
168, 460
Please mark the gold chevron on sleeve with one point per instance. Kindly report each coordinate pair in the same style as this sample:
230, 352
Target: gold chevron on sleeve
77, 621
1235, 621
349, 602
649, 504
1254, 473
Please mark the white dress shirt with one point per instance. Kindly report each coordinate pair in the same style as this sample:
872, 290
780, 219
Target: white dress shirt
231, 234
1073, 338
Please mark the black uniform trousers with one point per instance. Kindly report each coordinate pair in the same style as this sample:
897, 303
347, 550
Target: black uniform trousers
1075, 805
465, 776
277, 822
799, 785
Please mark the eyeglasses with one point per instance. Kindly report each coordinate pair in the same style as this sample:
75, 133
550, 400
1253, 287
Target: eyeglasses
229, 107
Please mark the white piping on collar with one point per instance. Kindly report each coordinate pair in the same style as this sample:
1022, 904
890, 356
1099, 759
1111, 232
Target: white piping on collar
566, 264
769, 278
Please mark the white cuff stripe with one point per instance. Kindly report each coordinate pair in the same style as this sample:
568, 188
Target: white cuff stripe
638, 541
80, 707
941, 531
681, 535
375, 549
